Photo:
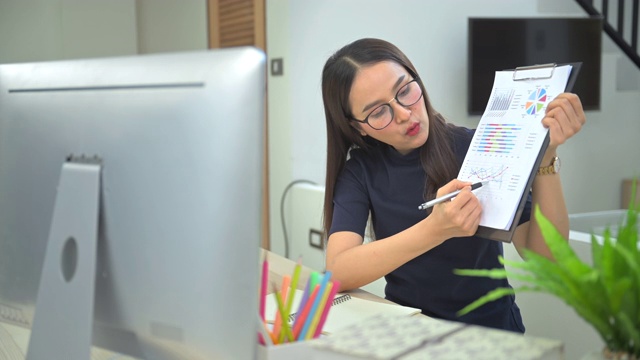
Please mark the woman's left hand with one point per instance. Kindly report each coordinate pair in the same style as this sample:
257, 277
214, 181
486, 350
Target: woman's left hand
564, 118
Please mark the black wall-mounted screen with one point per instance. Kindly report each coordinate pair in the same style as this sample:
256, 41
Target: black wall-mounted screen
506, 43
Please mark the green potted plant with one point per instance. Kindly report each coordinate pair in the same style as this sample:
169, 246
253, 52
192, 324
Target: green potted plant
605, 294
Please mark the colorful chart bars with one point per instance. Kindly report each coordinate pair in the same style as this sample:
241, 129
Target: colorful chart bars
497, 138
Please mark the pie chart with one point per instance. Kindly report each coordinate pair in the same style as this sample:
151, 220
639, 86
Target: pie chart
536, 101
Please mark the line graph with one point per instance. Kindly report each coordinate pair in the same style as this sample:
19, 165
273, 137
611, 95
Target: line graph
494, 173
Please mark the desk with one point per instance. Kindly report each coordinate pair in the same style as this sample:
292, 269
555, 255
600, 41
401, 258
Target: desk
471, 342
14, 341
467, 342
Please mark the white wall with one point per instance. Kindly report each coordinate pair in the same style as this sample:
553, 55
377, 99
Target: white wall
37, 30
279, 117
433, 33
171, 25
41, 30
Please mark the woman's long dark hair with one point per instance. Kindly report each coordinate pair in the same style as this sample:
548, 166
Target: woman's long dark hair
437, 156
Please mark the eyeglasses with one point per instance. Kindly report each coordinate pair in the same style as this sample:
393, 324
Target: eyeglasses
382, 116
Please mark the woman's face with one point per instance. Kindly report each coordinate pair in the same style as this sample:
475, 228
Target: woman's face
376, 85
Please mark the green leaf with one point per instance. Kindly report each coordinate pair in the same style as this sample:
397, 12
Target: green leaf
560, 280
628, 332
559, 246
628, 231
489, 273
596, 252
490, 296
606, 295
629, 300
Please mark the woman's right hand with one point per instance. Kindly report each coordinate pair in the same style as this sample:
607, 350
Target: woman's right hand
461, 216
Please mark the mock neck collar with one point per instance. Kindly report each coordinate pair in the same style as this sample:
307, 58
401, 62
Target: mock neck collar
412, 156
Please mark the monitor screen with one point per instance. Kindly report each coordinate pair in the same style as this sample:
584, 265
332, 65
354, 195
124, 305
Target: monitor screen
506, 43
180, 140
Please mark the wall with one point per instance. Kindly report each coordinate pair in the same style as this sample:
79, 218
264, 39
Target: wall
40, 30
279, 117
171, 25
433, 34
37, 30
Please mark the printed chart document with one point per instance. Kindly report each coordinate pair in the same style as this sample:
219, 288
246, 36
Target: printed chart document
510, 141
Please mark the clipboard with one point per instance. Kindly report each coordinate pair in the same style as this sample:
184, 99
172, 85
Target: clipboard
520, 74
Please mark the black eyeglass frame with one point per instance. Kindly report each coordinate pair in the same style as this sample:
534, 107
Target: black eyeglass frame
366, 120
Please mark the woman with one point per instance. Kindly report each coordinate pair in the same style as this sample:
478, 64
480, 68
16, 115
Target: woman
385, 157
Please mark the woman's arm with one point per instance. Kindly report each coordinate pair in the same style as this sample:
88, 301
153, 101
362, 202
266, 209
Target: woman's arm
355, 264
564, 118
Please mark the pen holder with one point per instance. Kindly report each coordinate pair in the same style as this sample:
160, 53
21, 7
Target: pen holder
289, 351
300, 350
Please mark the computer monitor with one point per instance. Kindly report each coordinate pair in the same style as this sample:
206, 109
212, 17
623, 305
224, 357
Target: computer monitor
177, 143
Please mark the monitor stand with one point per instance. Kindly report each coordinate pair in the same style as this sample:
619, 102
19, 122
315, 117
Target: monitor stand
63, 319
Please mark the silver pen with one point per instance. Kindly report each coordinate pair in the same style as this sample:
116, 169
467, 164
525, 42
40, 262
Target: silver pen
450, 196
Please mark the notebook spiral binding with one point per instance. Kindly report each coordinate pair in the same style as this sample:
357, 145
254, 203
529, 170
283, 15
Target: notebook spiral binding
339, 300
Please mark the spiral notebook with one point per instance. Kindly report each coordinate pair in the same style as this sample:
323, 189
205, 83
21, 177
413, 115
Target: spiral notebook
345, 310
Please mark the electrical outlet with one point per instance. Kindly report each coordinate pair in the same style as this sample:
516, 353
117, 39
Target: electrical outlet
277, 67
304, 219
315, 239
304, 212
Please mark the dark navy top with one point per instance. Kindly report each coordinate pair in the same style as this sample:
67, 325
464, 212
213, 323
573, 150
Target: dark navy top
390, 186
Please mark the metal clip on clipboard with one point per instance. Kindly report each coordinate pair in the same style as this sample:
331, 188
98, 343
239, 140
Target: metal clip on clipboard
543, 74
